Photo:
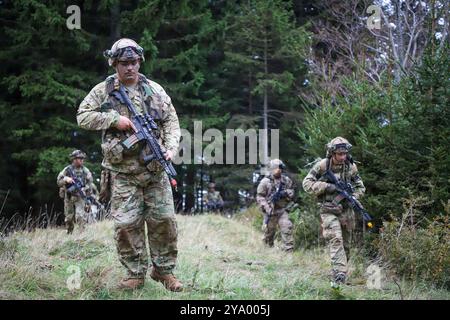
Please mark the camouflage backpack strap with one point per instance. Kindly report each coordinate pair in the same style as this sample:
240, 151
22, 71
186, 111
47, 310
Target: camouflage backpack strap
112, 83
328, 164
145, 85
148, 92
273, 186
149, 95
345, 171
69, 170
324, 166
349, 163
65, 170
283, 180
85, 174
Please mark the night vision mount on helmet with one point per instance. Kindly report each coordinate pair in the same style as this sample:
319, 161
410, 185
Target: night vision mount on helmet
123, 50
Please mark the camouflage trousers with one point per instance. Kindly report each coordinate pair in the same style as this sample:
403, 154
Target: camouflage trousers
337, 230
74, 212
281, 218
139, 201
214, 206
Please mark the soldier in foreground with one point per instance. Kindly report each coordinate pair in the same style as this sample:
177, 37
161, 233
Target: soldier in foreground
274, 196
213, 199
141, 193
337, 217
76, 210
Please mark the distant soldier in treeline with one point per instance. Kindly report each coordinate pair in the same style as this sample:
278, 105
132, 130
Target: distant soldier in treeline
76, 209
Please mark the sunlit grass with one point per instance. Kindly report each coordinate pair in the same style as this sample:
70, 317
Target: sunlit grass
219, 258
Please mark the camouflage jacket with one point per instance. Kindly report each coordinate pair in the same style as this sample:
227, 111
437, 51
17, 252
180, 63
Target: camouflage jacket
99, 111
82, 173
213, 197
348, 172
268, 186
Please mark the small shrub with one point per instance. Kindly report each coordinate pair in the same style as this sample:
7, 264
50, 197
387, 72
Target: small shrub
306, 227
418, 253
253, 215
8, 248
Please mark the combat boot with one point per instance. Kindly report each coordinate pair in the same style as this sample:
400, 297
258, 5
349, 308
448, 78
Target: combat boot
288, 250
339, 278
168, 280
131, 283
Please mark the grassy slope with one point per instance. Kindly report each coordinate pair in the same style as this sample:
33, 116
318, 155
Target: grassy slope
219, 258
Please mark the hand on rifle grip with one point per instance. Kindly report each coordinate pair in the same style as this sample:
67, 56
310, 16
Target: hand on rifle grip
125, 124
173, 183
68, 180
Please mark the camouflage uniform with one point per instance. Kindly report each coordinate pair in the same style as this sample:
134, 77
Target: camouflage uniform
337, 219
141, 195
74, 205
213, 199
277, 214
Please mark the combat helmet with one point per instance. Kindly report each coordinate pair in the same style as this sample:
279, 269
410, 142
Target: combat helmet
276, 163
77, 154
338, 144
211, 185
124, 49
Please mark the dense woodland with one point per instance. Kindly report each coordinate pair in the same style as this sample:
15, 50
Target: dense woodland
312, 69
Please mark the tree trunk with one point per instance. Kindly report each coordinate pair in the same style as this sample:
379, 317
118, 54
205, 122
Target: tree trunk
250, 96
114, 25
265, 108
189, 191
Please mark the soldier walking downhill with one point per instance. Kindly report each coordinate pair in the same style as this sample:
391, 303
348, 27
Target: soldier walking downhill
276, 213
337, 219
75, 208
213, 199
141, 194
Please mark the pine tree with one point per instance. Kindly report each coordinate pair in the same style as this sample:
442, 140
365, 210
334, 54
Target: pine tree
265, 52
48, 70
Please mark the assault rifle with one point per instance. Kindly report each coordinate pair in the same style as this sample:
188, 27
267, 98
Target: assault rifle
77, 188
145, 125
345, 191
277, 196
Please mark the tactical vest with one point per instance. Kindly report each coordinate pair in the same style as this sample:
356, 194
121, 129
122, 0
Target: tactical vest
345, 175
81, 174
213, 196
273, 188
147, 106
148, 102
